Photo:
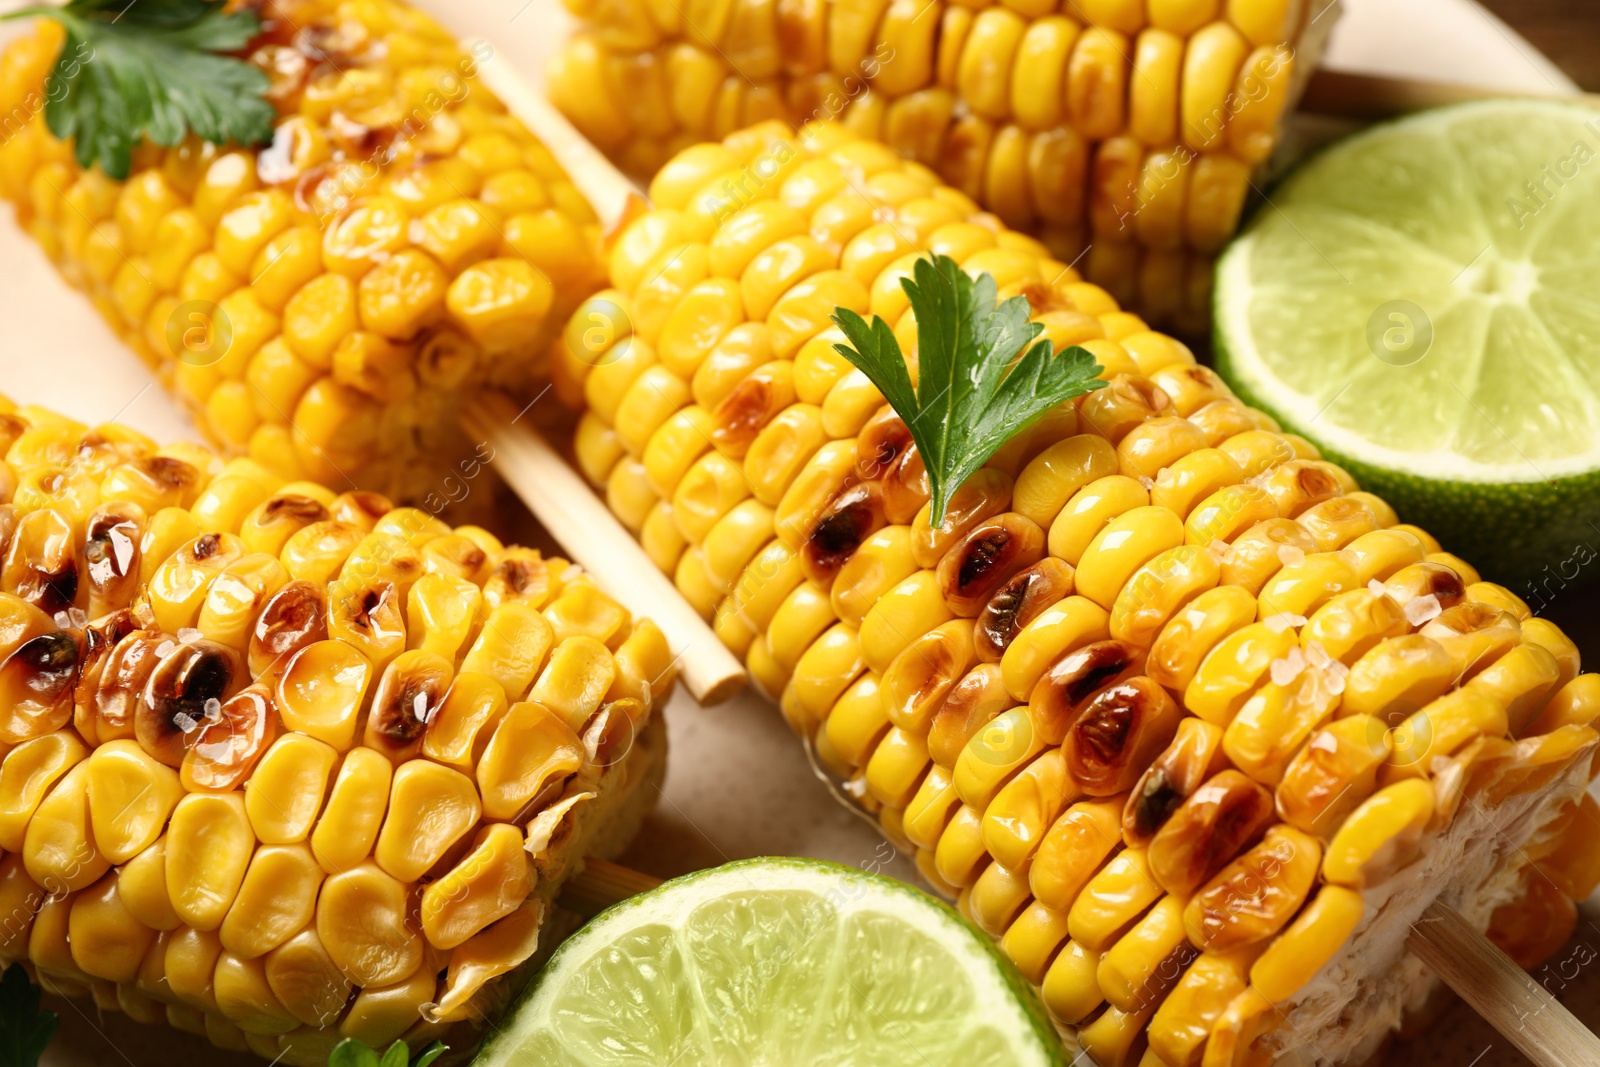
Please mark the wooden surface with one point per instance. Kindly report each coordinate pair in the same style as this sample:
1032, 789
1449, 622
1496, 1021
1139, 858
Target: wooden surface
1567, 31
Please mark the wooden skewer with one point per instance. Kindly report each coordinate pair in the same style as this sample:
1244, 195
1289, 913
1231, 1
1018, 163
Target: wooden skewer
1504, 994
1484, 976
1371, 97
601, 884
582, 524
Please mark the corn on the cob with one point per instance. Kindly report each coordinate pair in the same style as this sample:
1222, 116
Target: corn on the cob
1188, 721
282, 765
322, 303
1132, 130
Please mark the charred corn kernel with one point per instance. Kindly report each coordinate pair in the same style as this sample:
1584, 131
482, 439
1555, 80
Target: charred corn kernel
1381, 835
1174, 776
1218, 819
1335, 771
1255, 895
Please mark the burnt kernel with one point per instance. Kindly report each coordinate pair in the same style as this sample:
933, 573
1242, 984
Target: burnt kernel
985, 558
223, 751
1117, 733
41, 563
185, 691
36, 687
743, 413
1017, 602
114, 700
522, 575
905, 487
1218, 821
1058, 698
881, 442
111, 550
1428, 579
360, 508
295, 508
1152, 803
408, 697
1126, 401
169, 471
100, 640
972, 703
205, 546
292, 618
854, 514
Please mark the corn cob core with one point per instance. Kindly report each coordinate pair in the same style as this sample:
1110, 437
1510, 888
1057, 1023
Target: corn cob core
1181, 716
1126, 129
321, 303
283, 766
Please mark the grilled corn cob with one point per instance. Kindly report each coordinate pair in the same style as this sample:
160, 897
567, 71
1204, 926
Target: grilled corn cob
1186, 720
1134, 128
322, 303
283, 766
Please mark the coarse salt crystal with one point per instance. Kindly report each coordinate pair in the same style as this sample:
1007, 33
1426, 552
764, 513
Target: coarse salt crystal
1288, 668
184, 722
189, 635
1377, 588
1318, 655
1291, 555
1282, 621
1220, 551
1421, 609
213, 709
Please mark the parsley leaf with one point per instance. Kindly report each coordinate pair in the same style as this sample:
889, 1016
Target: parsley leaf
152, 68
24, 1029
972, 393
352, 1053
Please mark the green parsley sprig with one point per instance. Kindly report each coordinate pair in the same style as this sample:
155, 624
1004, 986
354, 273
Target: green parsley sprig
352, 1053
131, 69
972, 394
25, 1029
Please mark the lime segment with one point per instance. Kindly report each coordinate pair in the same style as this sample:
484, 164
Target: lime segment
770, 963
1422, 301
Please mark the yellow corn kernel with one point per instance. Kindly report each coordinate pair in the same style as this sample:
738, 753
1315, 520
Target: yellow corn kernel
1380, 836
1181, 1025
1070, 989
275, 900
209, 844
348, 826
1319, 932
1113, 900
361, 919
1230, 672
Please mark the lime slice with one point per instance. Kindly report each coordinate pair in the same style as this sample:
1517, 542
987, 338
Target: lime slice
1422, 300
773, 963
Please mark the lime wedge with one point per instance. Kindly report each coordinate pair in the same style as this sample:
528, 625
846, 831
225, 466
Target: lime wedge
1422, 300
773, 963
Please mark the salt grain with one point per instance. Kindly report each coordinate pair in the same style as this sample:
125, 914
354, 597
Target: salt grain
1421, 609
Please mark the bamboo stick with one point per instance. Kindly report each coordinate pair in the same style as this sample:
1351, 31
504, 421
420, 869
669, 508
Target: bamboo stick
1504, 994
601, 884
582, 524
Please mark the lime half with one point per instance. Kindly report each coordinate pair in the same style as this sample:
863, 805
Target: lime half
773, 963
1422, 300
